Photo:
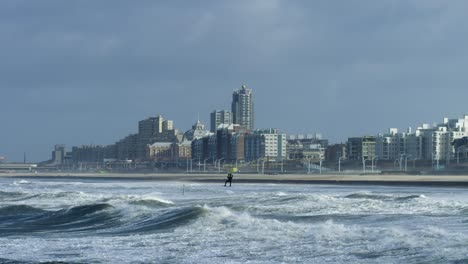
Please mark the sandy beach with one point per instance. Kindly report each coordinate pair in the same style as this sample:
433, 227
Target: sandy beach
421, 180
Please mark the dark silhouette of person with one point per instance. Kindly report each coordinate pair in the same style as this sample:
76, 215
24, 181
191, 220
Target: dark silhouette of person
229, 179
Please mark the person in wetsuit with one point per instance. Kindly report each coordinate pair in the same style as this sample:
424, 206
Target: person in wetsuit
229, 179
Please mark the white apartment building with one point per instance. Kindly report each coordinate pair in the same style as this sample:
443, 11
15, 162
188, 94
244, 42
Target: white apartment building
275, 145
390, 146
438, 140
266, 143
426, 142
414, 145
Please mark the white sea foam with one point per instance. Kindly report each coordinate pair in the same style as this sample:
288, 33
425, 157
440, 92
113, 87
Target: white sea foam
138, 198
21, 182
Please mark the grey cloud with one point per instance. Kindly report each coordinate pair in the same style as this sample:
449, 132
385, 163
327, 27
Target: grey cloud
89, 70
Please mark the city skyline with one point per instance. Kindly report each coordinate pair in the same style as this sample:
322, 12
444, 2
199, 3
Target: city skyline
80, 74
169, 124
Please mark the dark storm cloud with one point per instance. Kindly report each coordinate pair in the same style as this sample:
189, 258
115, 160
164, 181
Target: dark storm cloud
80, 72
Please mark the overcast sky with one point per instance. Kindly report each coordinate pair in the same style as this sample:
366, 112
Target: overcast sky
85, 72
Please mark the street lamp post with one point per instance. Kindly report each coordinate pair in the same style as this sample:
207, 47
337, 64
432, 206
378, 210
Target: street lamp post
263, 166
400, 161
219, 164
321, 157
406, 161
191, 164
372, 162
363, 164
320, 166
204, 165
339, 164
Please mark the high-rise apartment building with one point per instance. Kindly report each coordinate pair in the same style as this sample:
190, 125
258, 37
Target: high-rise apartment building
219, 117
243, 108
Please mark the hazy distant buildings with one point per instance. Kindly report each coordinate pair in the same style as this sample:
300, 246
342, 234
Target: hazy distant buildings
88, 153
390, 146
219, 117
307, 147
425, 143
58, 155
128, 148
152, 130
237, 146
184, 148
161, 152
359, 148
243, 108
335, 152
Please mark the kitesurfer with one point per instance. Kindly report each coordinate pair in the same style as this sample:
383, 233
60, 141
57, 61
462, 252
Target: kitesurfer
229, 179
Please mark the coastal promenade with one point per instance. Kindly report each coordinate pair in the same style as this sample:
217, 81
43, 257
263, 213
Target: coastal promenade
346, 179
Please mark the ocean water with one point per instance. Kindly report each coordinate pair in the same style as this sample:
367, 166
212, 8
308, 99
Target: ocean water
129, 221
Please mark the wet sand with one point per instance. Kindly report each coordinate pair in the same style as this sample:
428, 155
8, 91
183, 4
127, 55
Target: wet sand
404, 180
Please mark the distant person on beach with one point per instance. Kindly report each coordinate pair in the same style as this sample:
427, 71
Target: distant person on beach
229, 179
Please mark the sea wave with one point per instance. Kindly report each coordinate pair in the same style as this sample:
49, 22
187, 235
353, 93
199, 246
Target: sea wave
17, 210
315, 218
101, 217
367, 196
6, 195
382, 197
168, 220
409, 197
22, 219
